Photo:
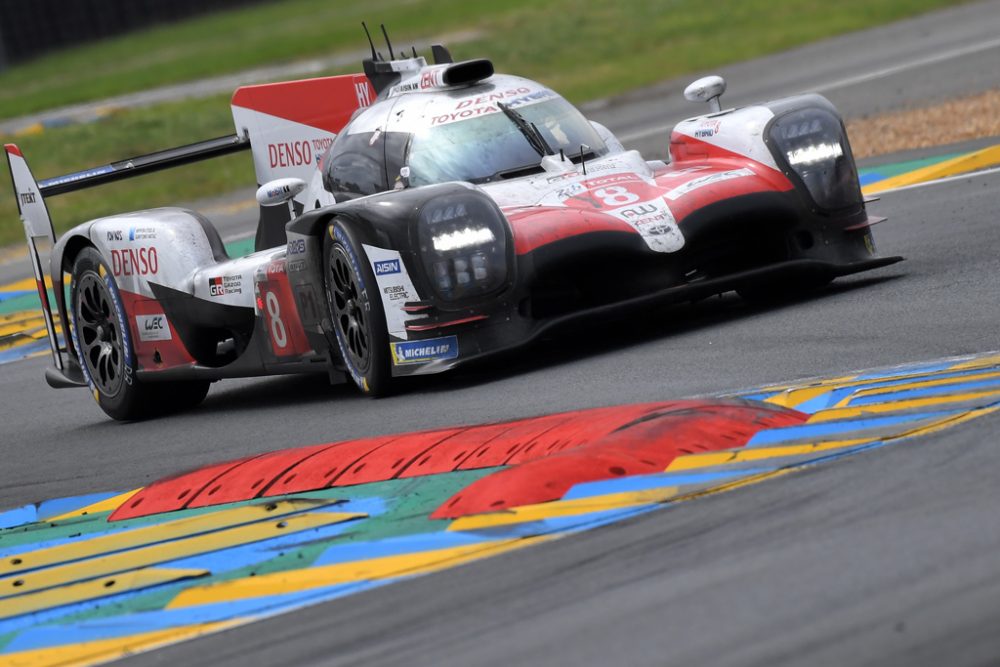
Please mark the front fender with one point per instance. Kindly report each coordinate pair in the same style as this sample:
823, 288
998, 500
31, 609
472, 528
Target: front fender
388, 222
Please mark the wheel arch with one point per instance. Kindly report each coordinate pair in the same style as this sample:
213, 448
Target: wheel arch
63, 257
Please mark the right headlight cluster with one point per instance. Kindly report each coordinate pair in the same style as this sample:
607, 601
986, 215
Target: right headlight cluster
463, 245
812, 144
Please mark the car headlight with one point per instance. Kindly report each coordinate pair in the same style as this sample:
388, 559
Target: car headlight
812, 143
463, 245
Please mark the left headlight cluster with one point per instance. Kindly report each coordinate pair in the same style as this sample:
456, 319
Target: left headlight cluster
463, 245
812, 144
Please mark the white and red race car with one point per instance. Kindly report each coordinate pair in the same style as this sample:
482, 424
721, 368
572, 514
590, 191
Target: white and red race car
418, 216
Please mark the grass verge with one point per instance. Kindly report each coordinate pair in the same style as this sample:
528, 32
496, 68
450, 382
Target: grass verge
583, 49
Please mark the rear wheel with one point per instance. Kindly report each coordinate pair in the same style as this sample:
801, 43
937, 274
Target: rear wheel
356, 310
101, 338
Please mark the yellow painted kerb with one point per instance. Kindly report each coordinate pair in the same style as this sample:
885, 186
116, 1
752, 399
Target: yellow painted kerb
981, 159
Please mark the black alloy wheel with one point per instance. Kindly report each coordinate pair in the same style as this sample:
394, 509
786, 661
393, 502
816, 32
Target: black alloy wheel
349, 314
104, 348
356, 311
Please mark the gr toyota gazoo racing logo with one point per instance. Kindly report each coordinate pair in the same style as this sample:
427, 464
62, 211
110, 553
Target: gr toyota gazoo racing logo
225, 285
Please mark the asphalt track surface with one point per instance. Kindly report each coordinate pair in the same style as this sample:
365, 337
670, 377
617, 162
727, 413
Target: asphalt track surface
885, 557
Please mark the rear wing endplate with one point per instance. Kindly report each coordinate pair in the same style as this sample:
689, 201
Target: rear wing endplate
30, 197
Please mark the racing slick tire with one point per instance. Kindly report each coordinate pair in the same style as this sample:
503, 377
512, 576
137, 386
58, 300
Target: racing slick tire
356, 313
103, 344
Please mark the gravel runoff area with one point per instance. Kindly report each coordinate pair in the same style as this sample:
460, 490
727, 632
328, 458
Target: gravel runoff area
971, 117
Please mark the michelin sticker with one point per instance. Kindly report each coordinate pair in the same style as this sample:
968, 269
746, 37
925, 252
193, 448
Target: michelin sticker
394, 287
423, 351
701, 182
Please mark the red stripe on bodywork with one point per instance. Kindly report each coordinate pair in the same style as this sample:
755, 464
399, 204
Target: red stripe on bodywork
540, 226
13, 149
281, 314
325, 103
158, 355
589, 209
548, 456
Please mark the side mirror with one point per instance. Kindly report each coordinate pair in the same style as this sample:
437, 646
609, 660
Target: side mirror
279, 191
707, 89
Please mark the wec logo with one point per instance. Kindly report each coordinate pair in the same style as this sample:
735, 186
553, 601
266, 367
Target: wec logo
387, 267
153, 327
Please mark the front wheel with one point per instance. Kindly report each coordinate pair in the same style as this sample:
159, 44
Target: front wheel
356, 310
101, 339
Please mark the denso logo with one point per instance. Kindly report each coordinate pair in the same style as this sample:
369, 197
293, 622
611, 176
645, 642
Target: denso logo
290, 154
493, 97
387, 267
135, 262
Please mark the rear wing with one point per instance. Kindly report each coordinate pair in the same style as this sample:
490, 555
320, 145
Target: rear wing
30, 197
288, 125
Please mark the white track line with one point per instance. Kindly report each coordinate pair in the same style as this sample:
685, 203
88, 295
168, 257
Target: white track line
913, 64
854, 80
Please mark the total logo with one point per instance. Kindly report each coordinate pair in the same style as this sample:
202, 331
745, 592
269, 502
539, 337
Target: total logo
153, 327
386, 267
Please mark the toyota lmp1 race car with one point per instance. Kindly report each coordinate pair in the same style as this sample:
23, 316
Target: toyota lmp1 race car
419, 216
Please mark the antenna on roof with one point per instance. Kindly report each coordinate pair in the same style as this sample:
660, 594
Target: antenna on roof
387, 42
414, 51
370, 42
